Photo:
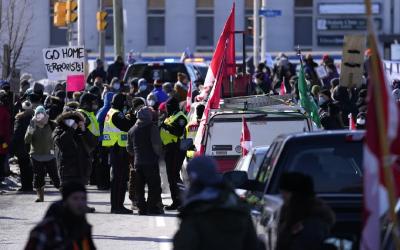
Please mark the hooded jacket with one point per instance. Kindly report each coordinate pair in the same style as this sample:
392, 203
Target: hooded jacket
5, 129
71, 152
215, 218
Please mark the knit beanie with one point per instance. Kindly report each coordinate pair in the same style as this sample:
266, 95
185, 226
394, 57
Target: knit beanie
71, 187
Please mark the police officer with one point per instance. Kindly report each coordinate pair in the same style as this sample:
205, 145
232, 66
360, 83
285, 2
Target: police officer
87, 106
116, 126
172, 131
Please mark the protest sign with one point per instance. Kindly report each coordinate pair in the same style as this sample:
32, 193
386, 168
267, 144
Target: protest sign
321, 72
75, 83
63, 62
353, 60
392, 69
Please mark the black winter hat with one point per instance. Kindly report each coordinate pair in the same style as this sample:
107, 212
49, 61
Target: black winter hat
71, 187
203, 170
61, 94
118, 100
297, 183
172, 105
87, 98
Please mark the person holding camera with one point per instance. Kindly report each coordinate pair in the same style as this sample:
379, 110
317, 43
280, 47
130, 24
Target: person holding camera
39, 137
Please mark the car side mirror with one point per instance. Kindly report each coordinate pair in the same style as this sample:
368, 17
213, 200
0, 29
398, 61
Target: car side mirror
238, 179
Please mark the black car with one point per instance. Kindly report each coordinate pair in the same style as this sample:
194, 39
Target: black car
332, 159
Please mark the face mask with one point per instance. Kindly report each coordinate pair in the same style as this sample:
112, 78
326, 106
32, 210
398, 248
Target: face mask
321, 101
116, 86
142, 88
361, 121
69, 122
151, 102
39, 116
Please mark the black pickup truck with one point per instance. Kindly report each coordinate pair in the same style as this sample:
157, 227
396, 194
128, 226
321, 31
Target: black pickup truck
332, 159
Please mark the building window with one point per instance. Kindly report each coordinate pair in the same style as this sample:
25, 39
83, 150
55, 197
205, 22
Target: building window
303, 23
248, 22
156, 23
303, 3
204, 23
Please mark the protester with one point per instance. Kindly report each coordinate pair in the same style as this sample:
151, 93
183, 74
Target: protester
39, 137
331, 118
97, 72
54, 106
65, 225
5, 131
133, 86
346, 99
116, 69
144, 143
172, 131
144, 89
309, 70
212, 213
282, 72
18, 146
69, 147
315, 93
329, 65
116, 85
168, 89
152, 101
116, 126
159, 92
305, 221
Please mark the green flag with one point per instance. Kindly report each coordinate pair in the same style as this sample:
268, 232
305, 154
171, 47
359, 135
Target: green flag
306, 101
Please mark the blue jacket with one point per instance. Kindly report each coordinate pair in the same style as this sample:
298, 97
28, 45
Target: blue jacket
161, 95
101, 114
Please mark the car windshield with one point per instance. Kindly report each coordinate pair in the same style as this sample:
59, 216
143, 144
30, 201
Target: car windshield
335, 166
166, 72
251, 162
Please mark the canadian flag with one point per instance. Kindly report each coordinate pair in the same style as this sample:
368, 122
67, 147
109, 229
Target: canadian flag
381, 149
245, 138
222, 65
352, 124
189, 97
222, 50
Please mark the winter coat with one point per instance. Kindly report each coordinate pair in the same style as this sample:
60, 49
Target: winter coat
115, 70
5, 130
18, 146
160, 94
307, 233
40, 140
346, 103
101, 114
60, 230
144, 142
215, 219
71, 152
98, 72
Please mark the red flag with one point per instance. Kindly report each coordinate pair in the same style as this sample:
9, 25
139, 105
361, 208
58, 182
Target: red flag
225, 48
380, 186
189, 97
222, 65
245, 138
352, 124
282, 89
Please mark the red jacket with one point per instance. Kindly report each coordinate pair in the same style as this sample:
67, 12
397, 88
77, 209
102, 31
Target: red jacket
5, 130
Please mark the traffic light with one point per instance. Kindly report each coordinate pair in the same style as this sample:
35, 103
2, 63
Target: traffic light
101, 17
71, 7
59, 14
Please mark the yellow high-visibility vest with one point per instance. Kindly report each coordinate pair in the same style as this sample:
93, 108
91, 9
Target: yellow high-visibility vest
112, 134
167, 137
94, 126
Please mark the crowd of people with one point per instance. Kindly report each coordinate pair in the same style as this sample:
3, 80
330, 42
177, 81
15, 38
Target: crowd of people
113, 133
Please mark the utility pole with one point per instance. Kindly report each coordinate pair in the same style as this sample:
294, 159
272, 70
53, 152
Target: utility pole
81, 23
118, 28
102, 36
256, 33
264, 33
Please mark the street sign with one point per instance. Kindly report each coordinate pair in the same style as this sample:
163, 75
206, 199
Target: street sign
269, 12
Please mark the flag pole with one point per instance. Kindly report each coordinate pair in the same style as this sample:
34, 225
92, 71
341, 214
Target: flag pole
382, 128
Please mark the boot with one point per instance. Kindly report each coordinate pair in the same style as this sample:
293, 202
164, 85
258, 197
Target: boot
40, 194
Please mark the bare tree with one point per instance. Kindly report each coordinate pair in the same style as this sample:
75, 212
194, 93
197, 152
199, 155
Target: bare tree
16, 23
